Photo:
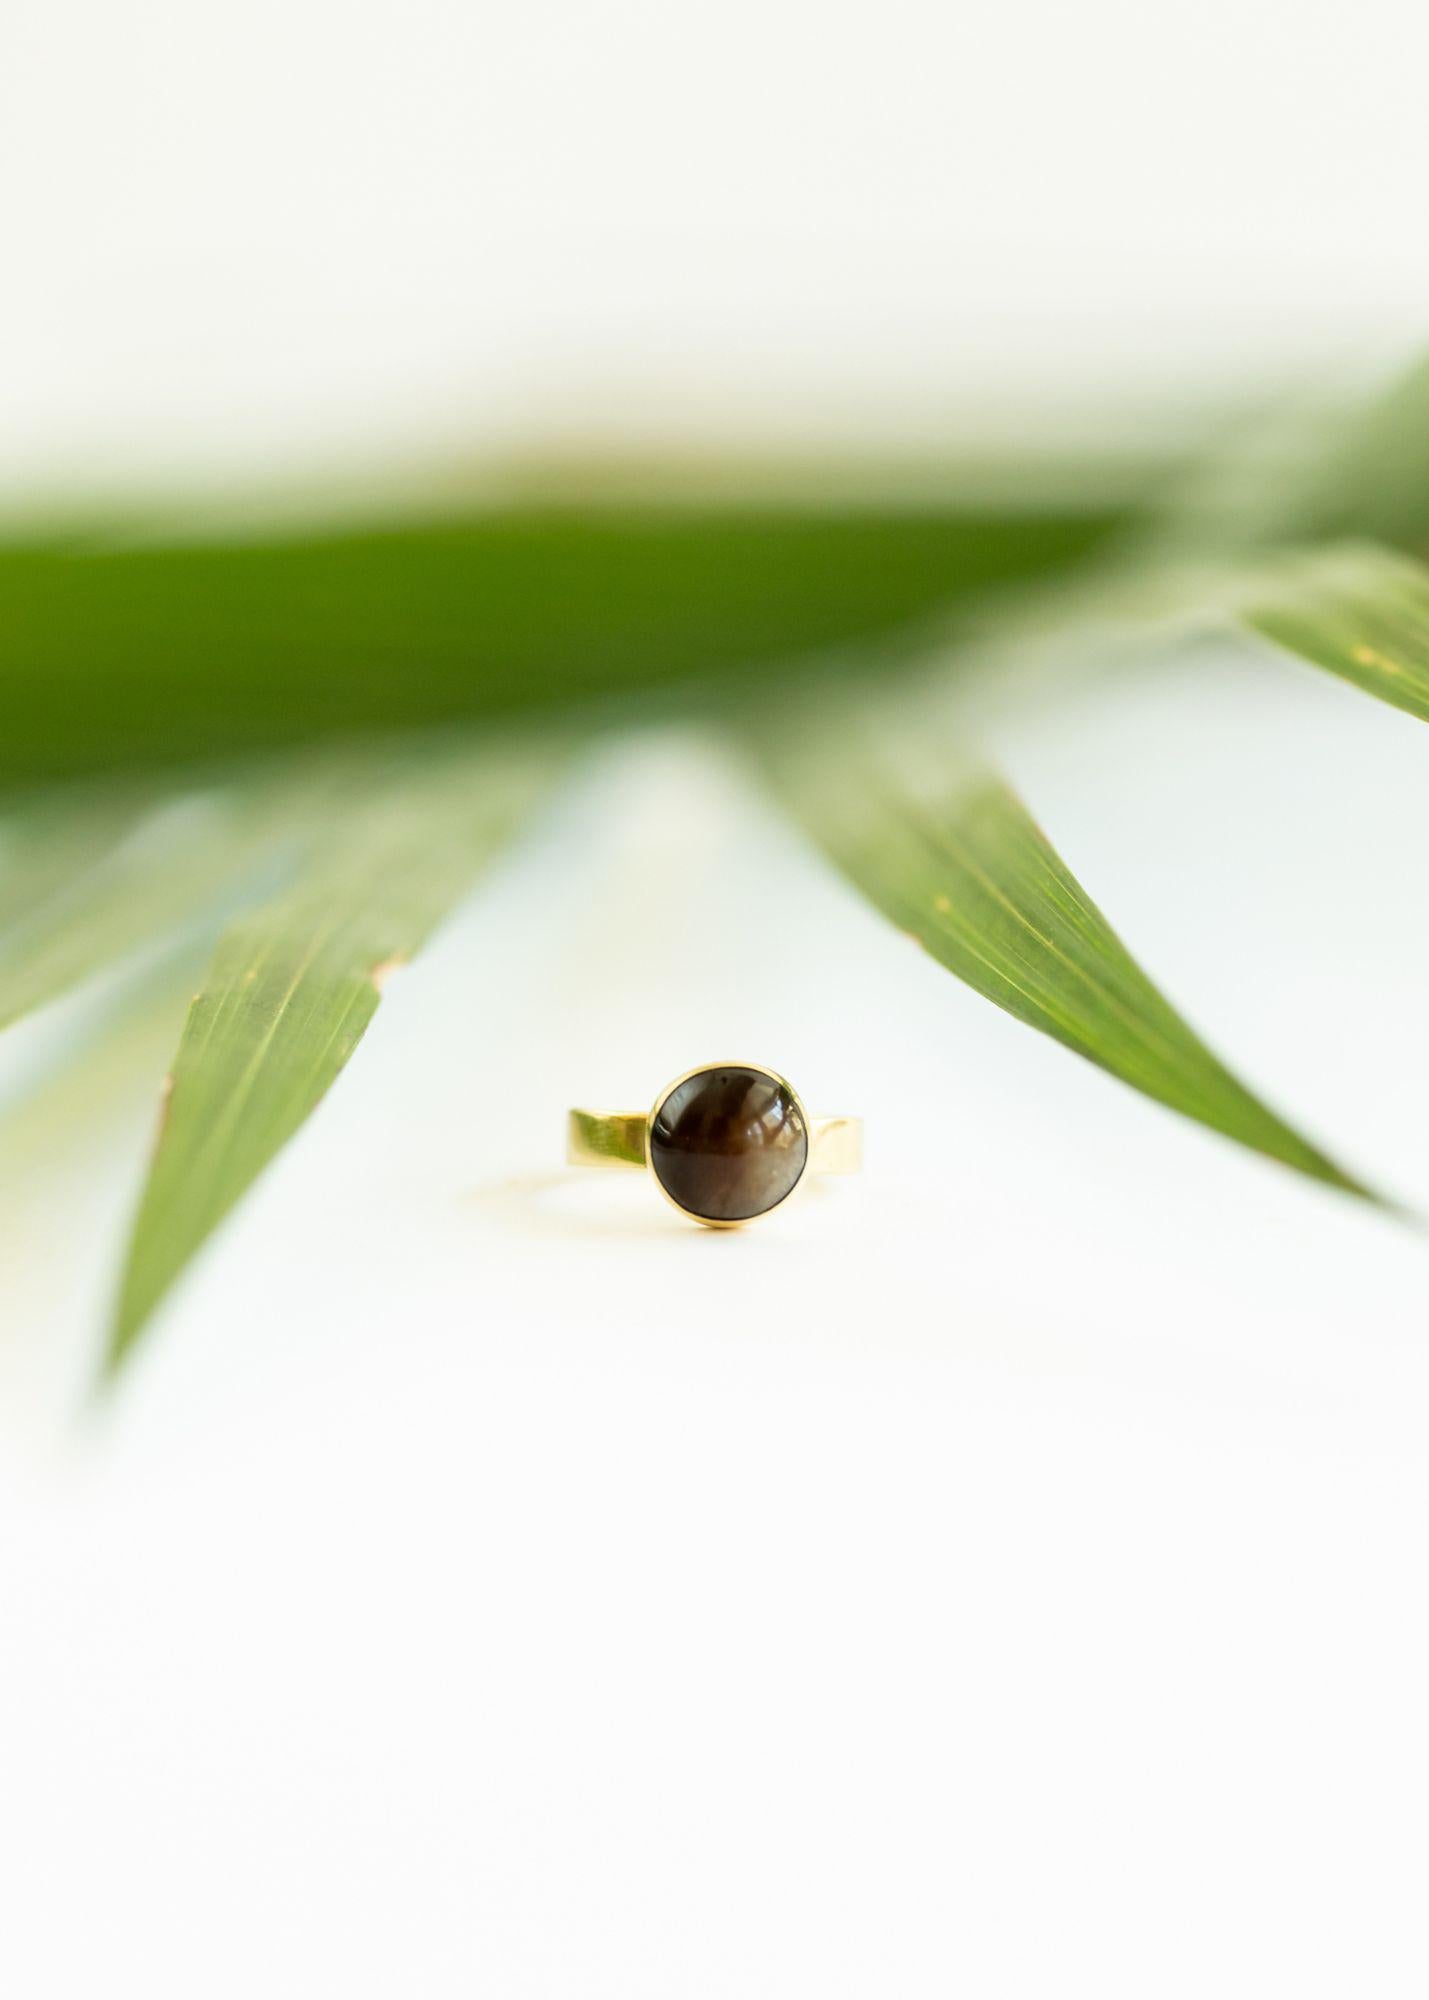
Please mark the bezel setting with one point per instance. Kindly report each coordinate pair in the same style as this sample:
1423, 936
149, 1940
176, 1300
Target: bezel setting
705, 1069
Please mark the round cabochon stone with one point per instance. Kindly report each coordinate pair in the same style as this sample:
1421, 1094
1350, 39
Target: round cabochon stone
728, 1144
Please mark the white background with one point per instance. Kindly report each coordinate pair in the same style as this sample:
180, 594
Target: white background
1002, 1575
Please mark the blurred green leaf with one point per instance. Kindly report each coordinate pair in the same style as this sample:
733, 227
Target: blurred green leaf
95, 882
51, 840
122, 656
91, 874
1314, 467
293, 986
1359, 611
1370, 479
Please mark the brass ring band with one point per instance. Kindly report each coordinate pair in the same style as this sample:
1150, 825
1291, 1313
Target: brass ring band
726, 1142
618, 1139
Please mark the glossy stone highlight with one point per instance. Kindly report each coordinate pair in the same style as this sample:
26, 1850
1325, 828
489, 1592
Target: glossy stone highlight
728, 1144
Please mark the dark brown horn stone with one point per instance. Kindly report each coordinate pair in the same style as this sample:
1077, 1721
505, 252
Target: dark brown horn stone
728, 1144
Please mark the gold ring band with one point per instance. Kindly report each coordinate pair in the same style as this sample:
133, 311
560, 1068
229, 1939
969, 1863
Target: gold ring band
618, 1139
726, 1142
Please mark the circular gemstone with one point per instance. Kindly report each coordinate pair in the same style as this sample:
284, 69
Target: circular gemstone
728, 1144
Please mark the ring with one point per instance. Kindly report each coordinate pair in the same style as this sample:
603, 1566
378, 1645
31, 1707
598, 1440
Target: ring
726, 1142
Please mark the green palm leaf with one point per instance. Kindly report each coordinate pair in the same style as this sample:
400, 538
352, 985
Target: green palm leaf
52, 839
964, 869
136, 654
293, 986
97, 873
1359, 611
112, 878
1371, 481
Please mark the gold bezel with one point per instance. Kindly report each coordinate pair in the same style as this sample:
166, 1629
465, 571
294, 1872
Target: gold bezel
699, 1069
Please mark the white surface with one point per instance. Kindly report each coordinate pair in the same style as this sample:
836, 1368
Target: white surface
1000, 1575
